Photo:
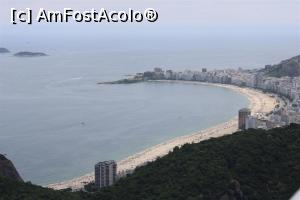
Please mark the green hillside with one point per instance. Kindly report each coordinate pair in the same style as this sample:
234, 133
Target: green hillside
16, 190
253, 164
266, 164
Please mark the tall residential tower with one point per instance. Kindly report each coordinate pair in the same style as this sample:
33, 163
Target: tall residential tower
105, 173
243, 114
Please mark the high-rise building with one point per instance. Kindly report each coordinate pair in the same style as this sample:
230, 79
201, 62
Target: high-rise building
243, 114
105, 173
250, 122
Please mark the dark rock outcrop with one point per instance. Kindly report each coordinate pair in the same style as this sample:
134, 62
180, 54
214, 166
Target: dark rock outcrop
4, 50
8, 170
29, 54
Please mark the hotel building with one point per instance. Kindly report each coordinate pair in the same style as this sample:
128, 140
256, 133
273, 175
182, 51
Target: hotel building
105, 173
243, 115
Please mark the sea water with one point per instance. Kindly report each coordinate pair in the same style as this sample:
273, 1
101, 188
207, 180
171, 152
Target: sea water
56, 122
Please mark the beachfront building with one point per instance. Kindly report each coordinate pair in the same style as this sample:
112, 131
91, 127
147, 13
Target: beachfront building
105, 173
287, 88
243, 115
124, 173
250, 122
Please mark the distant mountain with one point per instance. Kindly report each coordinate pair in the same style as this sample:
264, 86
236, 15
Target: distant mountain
252, 164
289, 67
4, 50
8, 170
29, 54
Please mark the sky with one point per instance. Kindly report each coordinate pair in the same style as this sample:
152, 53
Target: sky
179, 18
224, 13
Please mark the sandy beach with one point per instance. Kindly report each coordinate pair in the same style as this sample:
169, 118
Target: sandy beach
259, 103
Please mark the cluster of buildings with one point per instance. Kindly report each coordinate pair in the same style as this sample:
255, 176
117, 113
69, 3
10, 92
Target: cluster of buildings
106, 173
248, 121
287, 88
287, 110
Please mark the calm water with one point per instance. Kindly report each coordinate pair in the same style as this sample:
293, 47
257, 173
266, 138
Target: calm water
56, 122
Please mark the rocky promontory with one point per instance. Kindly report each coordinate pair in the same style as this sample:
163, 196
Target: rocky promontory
8, 170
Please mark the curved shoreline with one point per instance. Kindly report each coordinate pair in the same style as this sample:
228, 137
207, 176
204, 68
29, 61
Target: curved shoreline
259, 103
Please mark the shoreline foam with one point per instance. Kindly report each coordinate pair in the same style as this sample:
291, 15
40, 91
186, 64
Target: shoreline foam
259, 103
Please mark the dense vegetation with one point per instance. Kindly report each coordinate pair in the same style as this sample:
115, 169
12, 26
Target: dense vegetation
253, 164
265, 163
16, 190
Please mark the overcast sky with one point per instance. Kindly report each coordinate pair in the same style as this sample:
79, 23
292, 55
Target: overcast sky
179, 18
259, 26
232, 13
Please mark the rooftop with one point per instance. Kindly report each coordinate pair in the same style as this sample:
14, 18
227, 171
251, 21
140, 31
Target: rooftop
107, 162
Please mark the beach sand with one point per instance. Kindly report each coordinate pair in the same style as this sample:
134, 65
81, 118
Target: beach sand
259, 103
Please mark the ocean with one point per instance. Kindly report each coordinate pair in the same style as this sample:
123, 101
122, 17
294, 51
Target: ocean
56, 122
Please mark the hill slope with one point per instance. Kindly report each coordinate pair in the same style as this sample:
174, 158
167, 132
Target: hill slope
12, 190
266, 165
289, 67
8, 170
253, 164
